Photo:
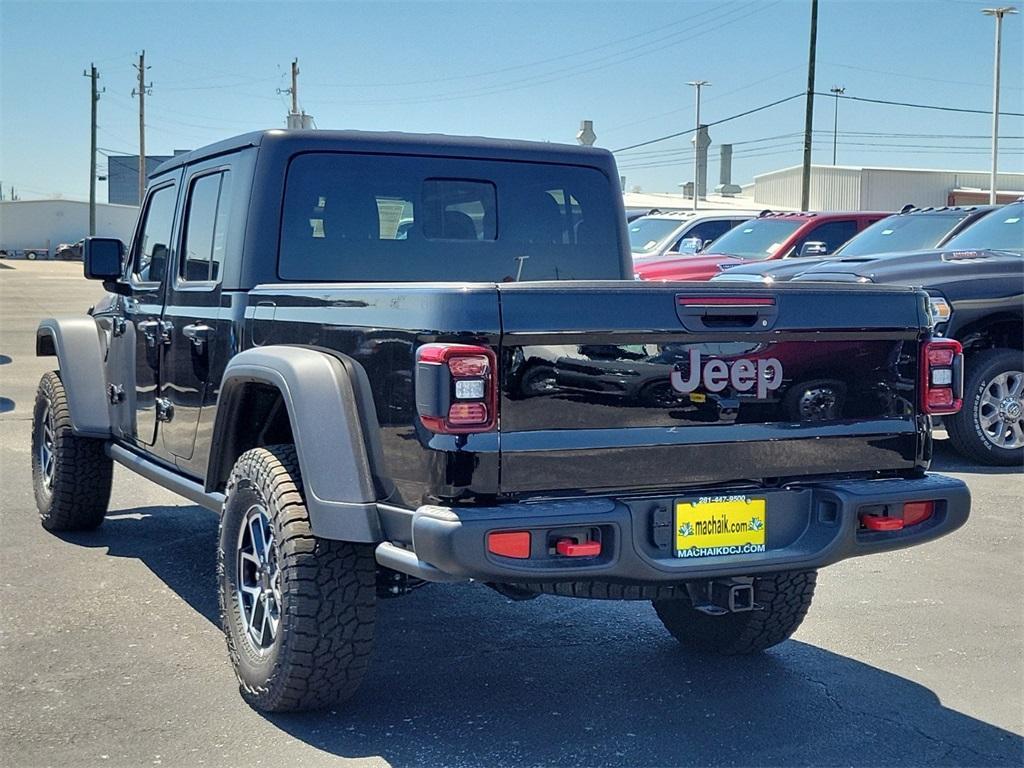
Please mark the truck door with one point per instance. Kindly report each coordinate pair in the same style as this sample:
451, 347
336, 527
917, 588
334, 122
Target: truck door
142, 335
192, 313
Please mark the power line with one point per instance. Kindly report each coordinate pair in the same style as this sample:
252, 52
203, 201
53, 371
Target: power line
913, 77
524, 65
924, 106
716, 122
573, 70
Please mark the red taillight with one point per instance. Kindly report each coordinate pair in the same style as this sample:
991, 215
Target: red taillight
509, 544
456, 388
941, 377
467, 414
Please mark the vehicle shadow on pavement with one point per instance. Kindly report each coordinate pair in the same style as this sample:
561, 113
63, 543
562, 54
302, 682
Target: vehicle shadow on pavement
464, 676
946, 459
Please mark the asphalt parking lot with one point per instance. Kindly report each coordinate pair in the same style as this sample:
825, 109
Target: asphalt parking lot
110, 652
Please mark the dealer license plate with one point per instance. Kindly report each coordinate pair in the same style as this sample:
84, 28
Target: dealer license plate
720, 525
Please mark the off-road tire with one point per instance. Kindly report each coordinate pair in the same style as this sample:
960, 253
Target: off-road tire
964, 429
322, 647
78, 493
783, 597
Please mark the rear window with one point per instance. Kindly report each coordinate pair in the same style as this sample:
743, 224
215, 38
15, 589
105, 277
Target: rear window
351, 217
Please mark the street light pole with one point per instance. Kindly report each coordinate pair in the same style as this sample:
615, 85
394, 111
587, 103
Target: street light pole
998, 13
698, 84
837, 92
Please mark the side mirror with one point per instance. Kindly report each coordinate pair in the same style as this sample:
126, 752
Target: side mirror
813, 248
102, 258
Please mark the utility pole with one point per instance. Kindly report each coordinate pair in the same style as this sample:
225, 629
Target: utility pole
805, 187
295, 86
141, 92
837, 91
998, 13
295, 118
697, 84
93, 76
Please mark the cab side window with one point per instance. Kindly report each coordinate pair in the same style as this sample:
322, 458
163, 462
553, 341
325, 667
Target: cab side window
150, 261
206, 226
832, 234
706, 231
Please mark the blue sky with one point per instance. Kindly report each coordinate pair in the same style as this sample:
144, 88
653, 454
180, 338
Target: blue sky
511, 69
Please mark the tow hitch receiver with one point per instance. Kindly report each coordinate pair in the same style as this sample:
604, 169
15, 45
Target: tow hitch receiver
722, 596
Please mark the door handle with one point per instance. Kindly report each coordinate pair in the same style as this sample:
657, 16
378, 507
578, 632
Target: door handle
150, 329
197, 333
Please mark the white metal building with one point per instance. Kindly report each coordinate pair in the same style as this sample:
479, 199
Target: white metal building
45, 224
862, 188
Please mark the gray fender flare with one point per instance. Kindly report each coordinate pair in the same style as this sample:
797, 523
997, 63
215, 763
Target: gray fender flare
77, 344
332, 441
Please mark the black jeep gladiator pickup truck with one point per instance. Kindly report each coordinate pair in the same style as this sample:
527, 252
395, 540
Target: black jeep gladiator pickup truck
389, 359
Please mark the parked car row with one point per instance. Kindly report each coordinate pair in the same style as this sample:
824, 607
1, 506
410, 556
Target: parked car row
969, 259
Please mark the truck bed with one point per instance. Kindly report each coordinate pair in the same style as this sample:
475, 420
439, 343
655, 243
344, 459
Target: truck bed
587, 402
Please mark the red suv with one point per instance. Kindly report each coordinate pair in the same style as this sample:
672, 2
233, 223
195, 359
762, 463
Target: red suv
769, 236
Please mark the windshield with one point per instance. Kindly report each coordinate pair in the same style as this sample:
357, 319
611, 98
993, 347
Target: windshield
755, 240
647, 233
914, 232
1000, 230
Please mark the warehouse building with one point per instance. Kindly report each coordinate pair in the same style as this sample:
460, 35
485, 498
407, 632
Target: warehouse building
42, 225
864, 188
123, 176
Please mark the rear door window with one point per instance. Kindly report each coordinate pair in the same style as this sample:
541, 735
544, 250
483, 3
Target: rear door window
352, 217
206, 224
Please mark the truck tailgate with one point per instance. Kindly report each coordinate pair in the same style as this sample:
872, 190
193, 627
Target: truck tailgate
646, 386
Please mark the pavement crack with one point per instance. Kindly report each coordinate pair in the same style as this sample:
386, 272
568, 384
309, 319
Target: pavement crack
948, 746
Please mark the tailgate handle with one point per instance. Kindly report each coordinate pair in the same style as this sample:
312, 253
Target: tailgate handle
711, 313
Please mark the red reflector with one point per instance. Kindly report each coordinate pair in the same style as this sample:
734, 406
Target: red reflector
940, 355
570, 548
465, 414
509, 544
879, 523
939, 398
476, 365
915, 512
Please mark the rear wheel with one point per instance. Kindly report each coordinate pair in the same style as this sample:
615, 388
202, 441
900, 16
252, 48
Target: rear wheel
783, 599
298, 611
71, 475
990, 427
31, 255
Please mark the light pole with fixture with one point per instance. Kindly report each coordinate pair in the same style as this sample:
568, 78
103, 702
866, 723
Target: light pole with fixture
998, 13
836, 91
698, 84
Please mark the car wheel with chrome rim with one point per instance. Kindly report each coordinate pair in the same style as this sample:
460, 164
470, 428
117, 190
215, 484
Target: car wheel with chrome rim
990, 426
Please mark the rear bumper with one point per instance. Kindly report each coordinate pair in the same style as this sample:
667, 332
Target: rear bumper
808, 527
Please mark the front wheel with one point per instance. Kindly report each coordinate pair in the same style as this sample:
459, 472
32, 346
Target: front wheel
990, 427
782, 600
298, 611
71, 475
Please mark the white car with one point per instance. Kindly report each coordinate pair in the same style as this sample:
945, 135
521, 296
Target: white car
652, 237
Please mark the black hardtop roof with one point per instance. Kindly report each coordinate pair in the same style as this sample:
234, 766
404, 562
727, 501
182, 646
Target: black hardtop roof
395, 142
947, 209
